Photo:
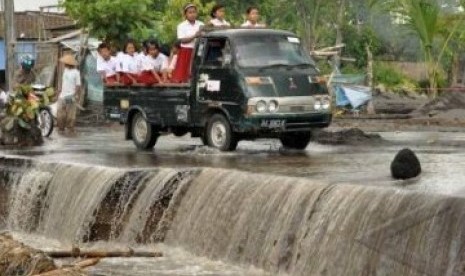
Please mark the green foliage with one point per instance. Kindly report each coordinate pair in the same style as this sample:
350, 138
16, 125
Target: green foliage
357, 43
390, 77
112, 20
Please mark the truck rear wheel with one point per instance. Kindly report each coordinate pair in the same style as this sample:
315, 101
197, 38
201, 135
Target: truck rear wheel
144, 135
297, 141
220, 135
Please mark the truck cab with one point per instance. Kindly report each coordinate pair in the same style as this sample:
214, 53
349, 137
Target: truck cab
245, 84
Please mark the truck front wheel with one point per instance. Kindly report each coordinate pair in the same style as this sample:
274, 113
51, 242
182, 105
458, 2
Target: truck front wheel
297, 141
144, 135
220, 135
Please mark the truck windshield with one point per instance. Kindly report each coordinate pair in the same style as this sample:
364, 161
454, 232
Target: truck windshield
271, 51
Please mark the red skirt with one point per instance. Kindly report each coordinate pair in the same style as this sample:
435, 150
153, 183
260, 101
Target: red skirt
147, 78
182, 71
111, 80
126, 80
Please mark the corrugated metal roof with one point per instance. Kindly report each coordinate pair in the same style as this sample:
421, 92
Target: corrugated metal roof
28, 24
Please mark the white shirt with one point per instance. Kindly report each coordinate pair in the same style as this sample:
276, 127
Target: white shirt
186, 29
128, 64
158, 64
71, 80
251, 25
219, 23
108, 66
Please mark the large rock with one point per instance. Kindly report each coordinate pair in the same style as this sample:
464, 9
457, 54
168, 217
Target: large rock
405, 165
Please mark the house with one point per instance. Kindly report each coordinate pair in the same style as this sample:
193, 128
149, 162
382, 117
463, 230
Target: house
31, 27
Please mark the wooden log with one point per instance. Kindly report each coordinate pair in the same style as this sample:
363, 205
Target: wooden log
77, 253
74, 270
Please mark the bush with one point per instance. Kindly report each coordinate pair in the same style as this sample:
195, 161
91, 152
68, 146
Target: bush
392, 78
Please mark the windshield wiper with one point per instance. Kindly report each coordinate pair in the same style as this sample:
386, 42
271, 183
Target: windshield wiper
302, 65
274, 65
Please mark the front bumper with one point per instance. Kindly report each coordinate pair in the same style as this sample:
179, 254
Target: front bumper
272, 125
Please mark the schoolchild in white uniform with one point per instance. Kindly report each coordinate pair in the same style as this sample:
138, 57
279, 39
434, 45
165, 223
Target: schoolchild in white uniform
188, 31
218, 16
153, 65
128, 64
253, 16
107, 65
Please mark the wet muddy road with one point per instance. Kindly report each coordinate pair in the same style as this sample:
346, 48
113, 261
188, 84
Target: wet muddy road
442, 155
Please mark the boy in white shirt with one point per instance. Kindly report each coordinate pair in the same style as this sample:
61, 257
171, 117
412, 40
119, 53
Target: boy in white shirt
153, 64
69, 94
106, 65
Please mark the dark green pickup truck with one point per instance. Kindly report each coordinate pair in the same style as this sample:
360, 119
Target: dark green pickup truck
246, 84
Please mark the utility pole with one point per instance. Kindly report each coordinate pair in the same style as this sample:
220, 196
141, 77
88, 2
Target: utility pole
10, 40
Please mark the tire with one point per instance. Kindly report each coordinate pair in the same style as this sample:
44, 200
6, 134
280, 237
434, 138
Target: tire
45, 122
219, 134
298, 141
144, 135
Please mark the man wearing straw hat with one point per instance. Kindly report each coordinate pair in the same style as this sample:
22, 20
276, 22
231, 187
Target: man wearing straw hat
70, 89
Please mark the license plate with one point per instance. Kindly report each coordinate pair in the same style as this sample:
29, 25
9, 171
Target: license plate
273, 123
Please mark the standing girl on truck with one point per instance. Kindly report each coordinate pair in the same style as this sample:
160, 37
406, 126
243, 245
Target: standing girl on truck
218, 13
128, 64
187, 32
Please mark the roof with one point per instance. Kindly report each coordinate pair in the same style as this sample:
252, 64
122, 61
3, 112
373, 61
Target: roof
28, 24
246, 32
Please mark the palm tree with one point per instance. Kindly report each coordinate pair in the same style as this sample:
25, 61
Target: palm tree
426, 20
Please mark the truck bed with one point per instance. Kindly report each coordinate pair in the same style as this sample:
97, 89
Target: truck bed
161, 103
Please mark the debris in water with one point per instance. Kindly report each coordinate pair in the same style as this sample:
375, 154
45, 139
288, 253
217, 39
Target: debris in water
75, 270
19, 259
352, 136
405, 165
78, 253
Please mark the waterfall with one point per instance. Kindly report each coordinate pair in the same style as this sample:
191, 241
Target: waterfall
309, 228
145, 210
284, 225
27, 194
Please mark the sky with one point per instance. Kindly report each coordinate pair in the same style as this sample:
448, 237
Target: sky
30, 5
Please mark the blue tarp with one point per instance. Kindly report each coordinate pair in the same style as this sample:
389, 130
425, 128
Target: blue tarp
355, 96
349, 90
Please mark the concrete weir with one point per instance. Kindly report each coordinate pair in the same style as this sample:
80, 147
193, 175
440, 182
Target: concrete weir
283, 225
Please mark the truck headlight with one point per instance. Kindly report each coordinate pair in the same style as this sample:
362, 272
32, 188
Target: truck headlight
261, 107
317, 105
273, 106
326, 104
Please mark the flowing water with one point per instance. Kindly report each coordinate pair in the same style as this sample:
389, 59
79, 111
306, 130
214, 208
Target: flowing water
226, 222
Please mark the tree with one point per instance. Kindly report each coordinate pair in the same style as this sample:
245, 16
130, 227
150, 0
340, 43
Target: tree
435, 30
114, 20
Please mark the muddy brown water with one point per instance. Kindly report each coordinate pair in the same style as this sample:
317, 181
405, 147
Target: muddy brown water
243, 213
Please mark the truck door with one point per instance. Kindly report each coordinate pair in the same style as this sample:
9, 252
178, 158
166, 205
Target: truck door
215, 81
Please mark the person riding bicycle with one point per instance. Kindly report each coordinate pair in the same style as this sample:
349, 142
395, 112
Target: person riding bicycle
25, 75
